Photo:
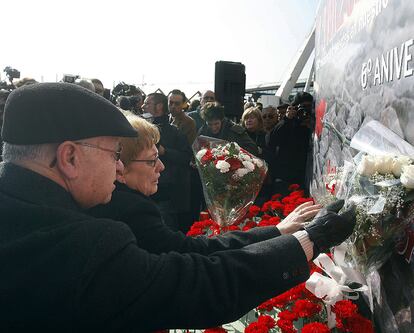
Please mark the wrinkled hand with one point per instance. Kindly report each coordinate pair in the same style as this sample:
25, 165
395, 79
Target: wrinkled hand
296, 220
329, 229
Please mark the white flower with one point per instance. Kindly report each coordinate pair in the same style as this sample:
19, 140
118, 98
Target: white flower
223, 166
407, 176
383, 164
248, 165
398, 163
241, 172
245, 157
367, 166
200, 154
258, 162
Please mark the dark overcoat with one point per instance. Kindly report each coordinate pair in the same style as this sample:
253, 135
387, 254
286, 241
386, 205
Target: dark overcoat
143, 217
64, 271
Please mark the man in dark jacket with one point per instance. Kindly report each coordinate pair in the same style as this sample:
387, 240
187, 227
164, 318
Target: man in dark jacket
207, 97
218, 126
64, 271
173, 196
289, 140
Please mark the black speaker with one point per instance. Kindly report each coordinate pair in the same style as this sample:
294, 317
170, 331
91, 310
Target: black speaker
230, 86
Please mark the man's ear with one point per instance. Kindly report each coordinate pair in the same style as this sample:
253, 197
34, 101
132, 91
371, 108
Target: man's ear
120, 175
67, 159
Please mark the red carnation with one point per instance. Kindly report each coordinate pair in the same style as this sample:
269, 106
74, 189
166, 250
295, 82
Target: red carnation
277, 205
275, 220
208, 156
305, 308
256, 327
315, 328
297, 194
276, 196
230, 228
300, 201
286, 326
344, 309
253, 211
293, 187
266, 206
249, 225
289, 208
234, 163
267, 321
287, 315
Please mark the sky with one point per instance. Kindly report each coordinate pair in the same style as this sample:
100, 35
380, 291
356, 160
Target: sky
154, 43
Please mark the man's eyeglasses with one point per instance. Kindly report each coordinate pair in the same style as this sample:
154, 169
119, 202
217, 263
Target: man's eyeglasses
151, 163
117, 153
177, 103
270, 116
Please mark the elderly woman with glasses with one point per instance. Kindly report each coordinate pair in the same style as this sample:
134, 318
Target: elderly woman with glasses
131, 204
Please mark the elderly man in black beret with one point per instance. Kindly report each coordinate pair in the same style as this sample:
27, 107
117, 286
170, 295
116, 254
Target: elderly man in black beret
64, 271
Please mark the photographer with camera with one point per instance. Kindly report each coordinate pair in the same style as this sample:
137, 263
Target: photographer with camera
289, 141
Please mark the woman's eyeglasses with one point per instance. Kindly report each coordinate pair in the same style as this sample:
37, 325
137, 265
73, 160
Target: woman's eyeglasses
151, 163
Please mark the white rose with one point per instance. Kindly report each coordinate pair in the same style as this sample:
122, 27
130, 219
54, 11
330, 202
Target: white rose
223, 166
241, 172
383, 164
200, 154
245, 157
258, 162
248, 165
367, 166
407, 176
398, 163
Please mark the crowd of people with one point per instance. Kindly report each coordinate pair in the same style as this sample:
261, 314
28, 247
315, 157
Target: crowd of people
279, 135
96, 199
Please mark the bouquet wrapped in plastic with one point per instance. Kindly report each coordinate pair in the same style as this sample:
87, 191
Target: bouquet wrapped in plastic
381, 188
231, 178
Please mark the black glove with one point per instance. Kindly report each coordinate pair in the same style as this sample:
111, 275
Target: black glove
329, 229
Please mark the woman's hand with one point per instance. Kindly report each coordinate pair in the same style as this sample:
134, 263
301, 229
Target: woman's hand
296, 220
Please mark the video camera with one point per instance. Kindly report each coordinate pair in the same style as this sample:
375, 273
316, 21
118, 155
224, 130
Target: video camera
11, 74
70, 78
123, 89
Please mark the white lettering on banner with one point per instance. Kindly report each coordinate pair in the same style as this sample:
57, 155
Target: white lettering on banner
395, 63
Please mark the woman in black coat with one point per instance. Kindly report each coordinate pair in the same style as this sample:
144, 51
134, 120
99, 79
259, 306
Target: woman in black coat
131, 204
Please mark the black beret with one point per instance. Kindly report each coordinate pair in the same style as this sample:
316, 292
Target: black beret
55, 112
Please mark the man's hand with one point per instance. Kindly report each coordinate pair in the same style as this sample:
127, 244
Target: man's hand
329, 229
296, 220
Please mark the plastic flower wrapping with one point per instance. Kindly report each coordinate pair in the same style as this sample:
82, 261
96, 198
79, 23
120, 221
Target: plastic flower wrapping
231, 178
379, 182
382, 194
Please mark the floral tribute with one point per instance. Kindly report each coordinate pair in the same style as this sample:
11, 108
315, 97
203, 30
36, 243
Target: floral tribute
297, 310
231, 177
382, 192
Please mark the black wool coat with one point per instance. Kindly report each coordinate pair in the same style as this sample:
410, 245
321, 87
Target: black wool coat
143, 217
64, 271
